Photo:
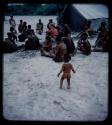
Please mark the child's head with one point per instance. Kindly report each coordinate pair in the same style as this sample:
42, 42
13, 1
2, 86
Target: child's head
66, 58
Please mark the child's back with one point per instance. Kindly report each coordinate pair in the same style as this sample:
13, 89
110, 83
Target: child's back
67, 67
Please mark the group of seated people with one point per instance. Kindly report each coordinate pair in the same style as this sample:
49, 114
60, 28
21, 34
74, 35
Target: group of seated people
101, 43
9, 45
58, 41
28, 35
61, 35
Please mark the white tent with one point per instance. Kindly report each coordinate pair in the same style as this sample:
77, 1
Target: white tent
77, 14
92, 11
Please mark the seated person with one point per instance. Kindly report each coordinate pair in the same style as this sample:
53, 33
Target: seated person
84, 45
13, 33
105, 44
60, 51
57, 53
102, 42
49, 23
20, 26
102, 26
37, 44
103, 36
24, 27
39, 27
23, 34
69, 44
10, 38
53, 32
47, 47
32, 43
30, 31
67, 29
8, 45
29, 43
88, 28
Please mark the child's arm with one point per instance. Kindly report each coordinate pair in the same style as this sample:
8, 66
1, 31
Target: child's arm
60, 71
73, 70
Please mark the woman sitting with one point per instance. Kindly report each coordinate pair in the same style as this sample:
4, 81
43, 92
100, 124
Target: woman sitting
47, 47
53, 32
83, 44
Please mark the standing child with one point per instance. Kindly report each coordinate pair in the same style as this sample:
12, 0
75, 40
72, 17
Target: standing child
66, 69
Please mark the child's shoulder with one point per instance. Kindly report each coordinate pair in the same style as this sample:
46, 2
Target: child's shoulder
67, 63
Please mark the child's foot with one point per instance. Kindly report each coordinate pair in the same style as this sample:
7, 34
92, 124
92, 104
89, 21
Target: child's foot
60, 87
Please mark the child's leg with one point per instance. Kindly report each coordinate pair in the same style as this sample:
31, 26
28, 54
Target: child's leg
61, 83
68, 81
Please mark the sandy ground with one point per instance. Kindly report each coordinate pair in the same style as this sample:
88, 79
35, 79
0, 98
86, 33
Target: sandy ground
31, 87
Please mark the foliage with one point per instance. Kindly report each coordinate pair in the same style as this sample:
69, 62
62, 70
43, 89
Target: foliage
33, 9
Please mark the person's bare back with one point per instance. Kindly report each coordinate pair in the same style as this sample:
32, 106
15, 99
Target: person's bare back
67, 67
